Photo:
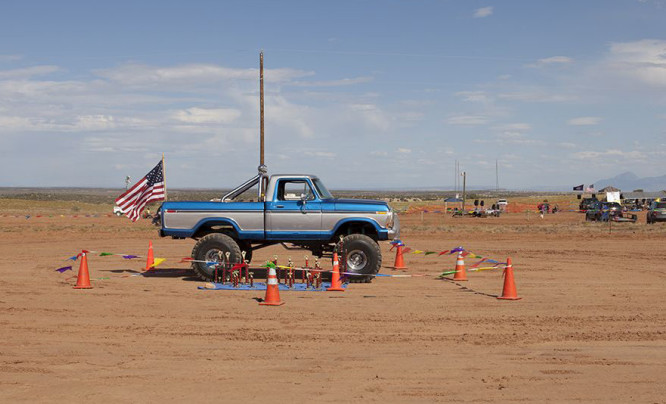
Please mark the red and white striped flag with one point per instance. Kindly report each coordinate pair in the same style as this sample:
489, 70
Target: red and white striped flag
150, 188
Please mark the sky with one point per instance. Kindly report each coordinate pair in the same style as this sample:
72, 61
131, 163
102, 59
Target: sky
364, 94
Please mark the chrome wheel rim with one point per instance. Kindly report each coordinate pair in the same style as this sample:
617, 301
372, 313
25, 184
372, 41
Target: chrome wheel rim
356, 260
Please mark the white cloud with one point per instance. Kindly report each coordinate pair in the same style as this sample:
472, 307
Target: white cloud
568, 145
332, 83
584, 121
509, 137
144, 75
474, 96
611, 153
410, 116
10, 58
643, 61
207, 116
553, 60
515, 127
467, 120
371, 115
94, 122
537, 96
483, 12
328, 155
27, 72
404, 150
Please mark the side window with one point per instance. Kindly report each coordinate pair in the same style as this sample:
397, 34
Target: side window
292, 190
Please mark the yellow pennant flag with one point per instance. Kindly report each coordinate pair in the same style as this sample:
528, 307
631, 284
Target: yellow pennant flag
157, 262
417, 252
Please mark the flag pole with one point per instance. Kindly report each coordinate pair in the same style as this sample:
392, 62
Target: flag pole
164, 177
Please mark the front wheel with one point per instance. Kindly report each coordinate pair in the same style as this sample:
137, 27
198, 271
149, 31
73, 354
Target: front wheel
213, 248
361, 255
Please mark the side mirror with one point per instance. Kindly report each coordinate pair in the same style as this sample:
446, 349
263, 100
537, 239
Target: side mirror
304, 198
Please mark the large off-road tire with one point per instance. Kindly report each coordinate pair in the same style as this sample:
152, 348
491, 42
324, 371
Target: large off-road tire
361, 255
213, 247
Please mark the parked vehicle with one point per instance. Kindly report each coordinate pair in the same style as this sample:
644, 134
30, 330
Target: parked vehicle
657, 211
603, 211
294, 210
586, 203
117, 211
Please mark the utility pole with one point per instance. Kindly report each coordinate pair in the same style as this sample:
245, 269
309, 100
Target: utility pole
464, 175
261, 108
262, 169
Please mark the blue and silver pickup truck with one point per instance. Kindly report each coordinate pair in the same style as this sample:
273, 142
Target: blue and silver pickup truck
294, 210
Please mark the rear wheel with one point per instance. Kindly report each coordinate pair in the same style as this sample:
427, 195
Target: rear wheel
361, 255
213, 248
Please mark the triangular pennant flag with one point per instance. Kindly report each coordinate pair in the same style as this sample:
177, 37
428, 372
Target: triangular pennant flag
74, 257
186, 259
129, 257
63, 269
406, 250
478, 263
417, 252
104, 254
444, 252
429, 252
157, 262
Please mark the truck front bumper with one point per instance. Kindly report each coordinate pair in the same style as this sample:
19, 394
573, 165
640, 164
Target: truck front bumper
394, 232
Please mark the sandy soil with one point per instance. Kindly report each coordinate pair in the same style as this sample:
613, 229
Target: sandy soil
590, 327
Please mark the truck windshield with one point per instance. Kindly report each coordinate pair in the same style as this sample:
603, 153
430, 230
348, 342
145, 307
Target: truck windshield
321, 189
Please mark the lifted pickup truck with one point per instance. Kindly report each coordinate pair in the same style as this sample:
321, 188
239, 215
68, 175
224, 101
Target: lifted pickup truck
294, 210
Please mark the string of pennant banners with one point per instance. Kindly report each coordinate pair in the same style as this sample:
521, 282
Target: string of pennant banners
268, 264
488, 262
465, 253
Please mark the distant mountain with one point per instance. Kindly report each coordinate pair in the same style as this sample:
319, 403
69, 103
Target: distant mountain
629, 181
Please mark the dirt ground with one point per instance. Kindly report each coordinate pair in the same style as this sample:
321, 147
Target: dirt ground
590, 326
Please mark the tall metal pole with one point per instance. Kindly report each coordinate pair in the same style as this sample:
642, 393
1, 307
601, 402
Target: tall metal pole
261, 108
464, 175
164, 177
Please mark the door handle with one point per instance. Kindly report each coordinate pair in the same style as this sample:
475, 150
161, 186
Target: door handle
279, 206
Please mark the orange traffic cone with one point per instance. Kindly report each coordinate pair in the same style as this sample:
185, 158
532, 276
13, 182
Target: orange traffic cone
83, 280
399, 261
150, 261
509, 291
336, 285
272, 290
460, 274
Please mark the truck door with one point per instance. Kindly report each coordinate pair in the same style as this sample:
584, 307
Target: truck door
294, 212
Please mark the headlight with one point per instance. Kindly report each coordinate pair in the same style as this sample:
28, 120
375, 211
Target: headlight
390, 221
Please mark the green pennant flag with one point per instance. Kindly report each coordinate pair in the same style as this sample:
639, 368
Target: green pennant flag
105, 254
269, 264
429, 252
446, 273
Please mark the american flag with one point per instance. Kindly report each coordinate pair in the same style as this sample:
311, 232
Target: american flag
149, 189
